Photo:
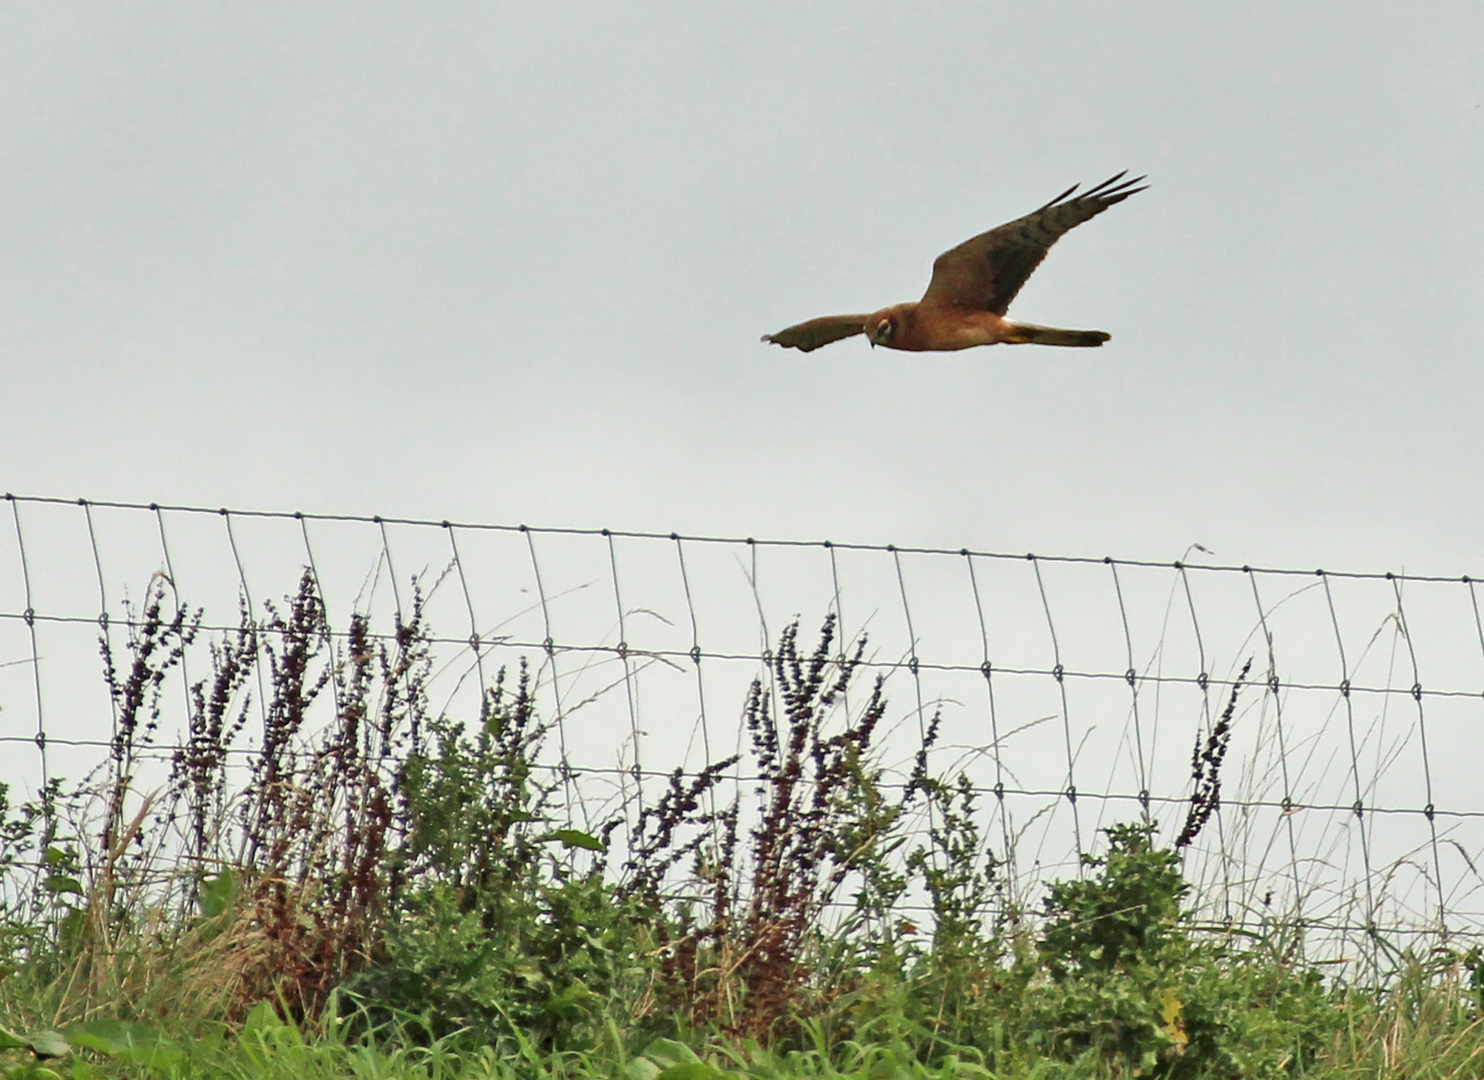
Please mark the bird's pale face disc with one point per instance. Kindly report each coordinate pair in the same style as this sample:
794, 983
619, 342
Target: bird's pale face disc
882, 328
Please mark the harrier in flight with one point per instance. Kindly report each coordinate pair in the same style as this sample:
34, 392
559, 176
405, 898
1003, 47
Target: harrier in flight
973, 285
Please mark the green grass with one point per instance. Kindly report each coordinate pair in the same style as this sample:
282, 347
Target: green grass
401, 894
1378, 1037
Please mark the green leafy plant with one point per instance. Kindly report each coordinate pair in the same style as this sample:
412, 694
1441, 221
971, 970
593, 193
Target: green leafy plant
756, 953
1120, 978
498, 927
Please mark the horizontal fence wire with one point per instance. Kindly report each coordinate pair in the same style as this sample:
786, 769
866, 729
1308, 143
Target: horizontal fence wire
1070, 692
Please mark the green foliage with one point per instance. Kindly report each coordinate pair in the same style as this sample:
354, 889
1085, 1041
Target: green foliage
1119, 977
495, 930
1126, 917
38, 871
958, 871
551, 970
752, 953
933, 987
1116, 983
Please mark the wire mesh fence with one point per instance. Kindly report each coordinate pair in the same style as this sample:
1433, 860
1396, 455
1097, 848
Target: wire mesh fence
1071, 692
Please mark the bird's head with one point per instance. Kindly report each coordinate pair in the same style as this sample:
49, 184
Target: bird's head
882, 327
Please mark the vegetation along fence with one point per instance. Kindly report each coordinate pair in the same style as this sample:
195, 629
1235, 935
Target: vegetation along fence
1308, 738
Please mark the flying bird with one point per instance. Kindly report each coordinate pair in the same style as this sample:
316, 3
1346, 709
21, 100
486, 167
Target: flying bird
972, 287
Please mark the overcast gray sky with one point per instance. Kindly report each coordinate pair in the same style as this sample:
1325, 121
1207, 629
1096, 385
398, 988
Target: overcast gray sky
511, 264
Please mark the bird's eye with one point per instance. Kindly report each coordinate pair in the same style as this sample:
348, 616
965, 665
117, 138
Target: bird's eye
884, 328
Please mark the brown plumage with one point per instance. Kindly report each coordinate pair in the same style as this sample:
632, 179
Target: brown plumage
972, 287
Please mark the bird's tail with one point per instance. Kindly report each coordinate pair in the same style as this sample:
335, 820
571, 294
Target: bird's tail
1028, 334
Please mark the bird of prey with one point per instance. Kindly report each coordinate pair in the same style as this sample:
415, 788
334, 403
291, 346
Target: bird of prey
972, 287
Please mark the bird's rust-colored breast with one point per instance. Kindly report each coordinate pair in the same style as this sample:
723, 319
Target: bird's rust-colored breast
943, 328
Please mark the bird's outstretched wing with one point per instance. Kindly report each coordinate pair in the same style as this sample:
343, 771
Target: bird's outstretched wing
987, 271
808, 336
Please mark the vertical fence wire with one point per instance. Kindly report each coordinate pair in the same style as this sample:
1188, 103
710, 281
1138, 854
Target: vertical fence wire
763, 634
185, 671
1131, 676
1059, 673
837, 605
695, 656
29, 617
1373, 947
1478, 622
105, 630
913, 665
337, 692
548, 646
476, 644
628, 675
1429, 810
1203, 680
1272, 686
391, 571
915, 668
250, 618
986, 668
